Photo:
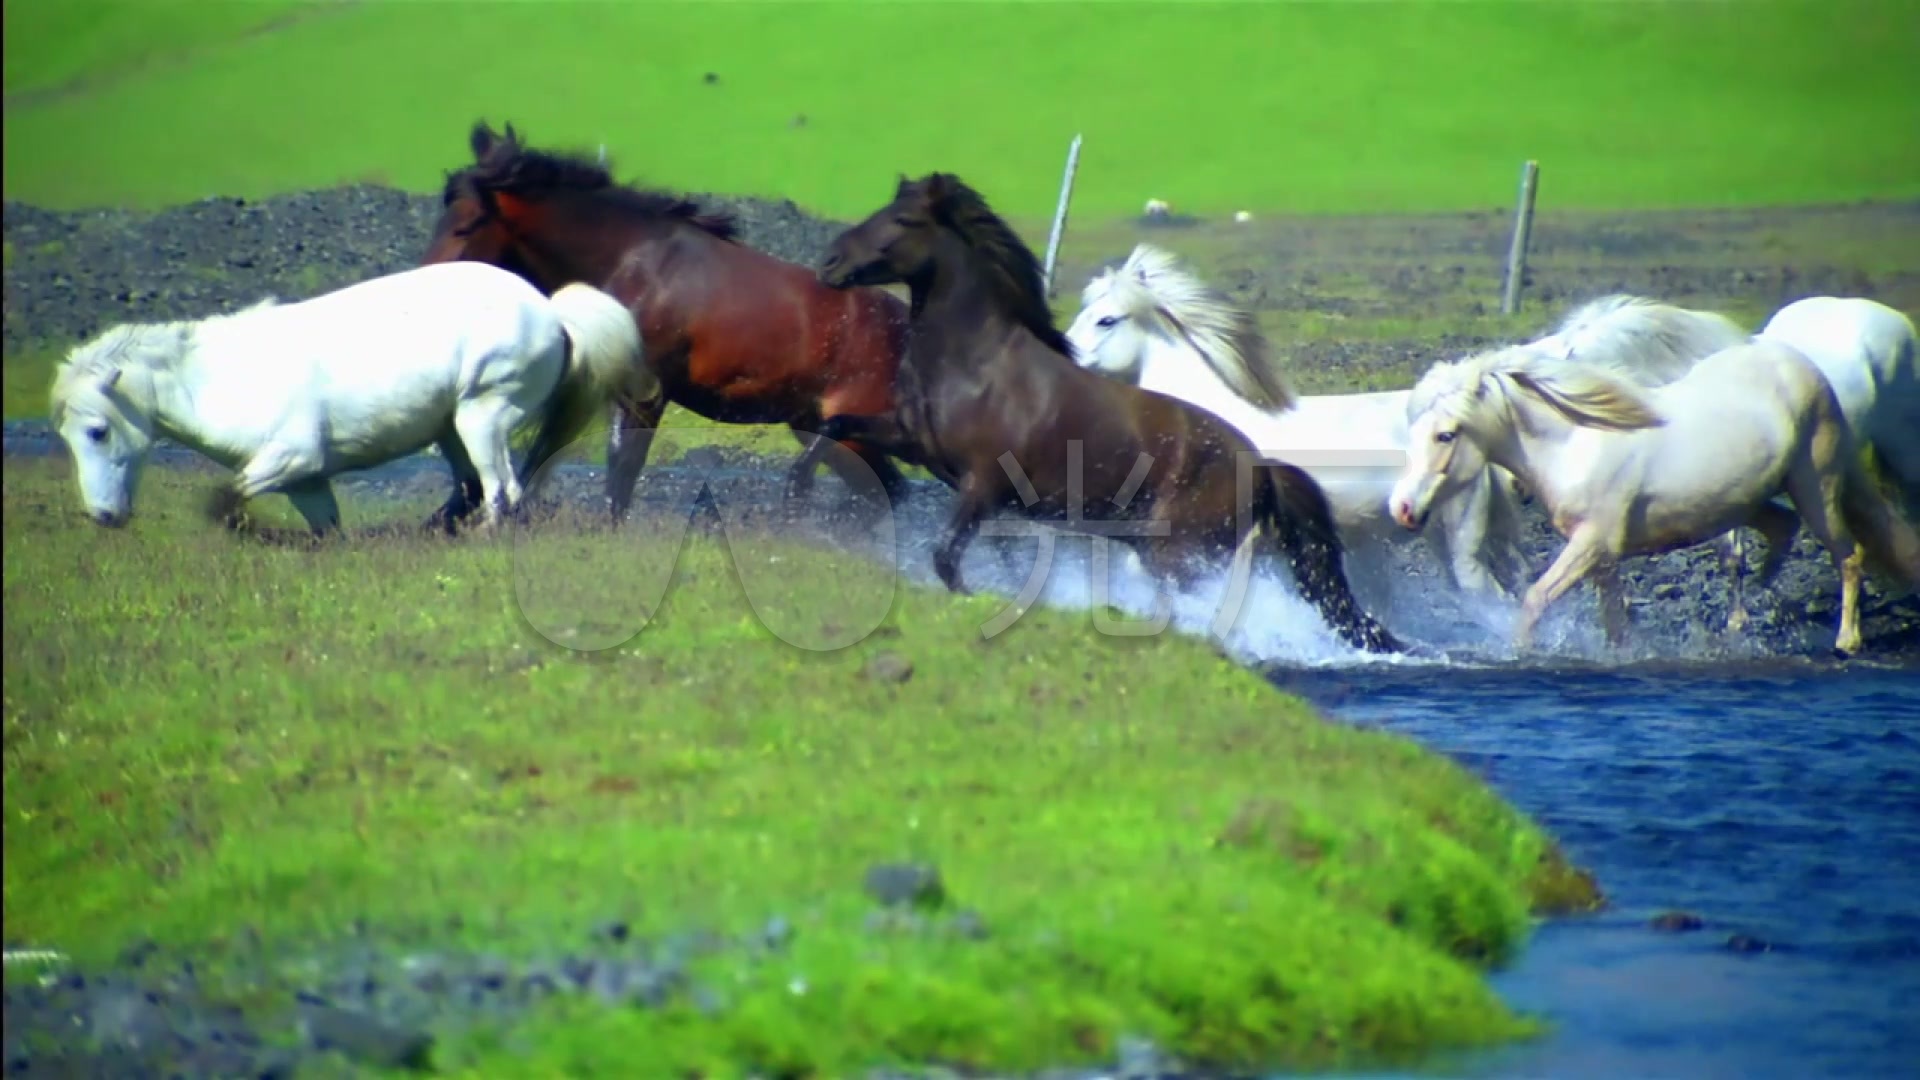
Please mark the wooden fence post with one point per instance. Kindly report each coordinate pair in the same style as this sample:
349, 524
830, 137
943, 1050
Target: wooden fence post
1522, 232
1060, 212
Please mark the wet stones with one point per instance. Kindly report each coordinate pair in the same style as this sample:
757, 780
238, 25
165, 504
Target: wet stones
915, 885
363, 1038
1676, 922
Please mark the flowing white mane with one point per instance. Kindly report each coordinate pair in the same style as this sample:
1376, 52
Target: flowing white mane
1643, 339
139, 347
1585, 393
1153, 287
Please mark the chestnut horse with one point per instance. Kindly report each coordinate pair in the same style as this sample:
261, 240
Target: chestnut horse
991, 400
732, 333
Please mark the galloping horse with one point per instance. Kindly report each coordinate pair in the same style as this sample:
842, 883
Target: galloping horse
991, 401
456, 356
732, 333
1625, 469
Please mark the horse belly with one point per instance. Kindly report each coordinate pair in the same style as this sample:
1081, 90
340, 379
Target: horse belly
407, 415
747, 366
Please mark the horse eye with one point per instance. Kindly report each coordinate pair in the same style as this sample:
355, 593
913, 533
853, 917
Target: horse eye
98, 433
1443, 437
1107, 321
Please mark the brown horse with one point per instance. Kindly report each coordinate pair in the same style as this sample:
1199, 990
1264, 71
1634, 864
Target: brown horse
733, 334
991, 401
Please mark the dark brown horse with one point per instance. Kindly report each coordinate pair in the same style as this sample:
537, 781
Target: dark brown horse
991, 401
734, 334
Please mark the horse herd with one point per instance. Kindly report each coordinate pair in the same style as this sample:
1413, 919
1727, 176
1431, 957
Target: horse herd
550, 294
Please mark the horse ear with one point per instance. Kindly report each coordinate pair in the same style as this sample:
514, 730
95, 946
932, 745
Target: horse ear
513, 137
482, 139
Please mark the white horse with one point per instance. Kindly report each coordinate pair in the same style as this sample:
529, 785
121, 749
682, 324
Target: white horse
1868, 354
1625, 469
1154, 323
453, 354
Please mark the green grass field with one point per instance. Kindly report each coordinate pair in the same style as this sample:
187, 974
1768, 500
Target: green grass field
205, 732
1216, 107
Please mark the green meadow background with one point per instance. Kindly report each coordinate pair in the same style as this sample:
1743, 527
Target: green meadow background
1281, 106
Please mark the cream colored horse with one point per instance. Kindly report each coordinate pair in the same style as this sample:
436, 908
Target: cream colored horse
1153, 322
1631, 470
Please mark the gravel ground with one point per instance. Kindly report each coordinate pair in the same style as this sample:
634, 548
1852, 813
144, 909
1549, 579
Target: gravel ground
384, 997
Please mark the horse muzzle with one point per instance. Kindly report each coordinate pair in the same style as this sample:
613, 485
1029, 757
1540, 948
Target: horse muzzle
109, 519
834, 273
1404, 515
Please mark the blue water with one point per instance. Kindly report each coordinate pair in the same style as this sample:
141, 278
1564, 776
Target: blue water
1780, 801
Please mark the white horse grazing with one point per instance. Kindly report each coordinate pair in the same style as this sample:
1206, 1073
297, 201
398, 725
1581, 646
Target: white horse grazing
455, 354
1154, 323
1630, 470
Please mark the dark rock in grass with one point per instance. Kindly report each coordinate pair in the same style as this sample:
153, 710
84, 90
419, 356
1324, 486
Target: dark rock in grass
1676, 922
777, 934
967, 924
888, 667
363, 1038
906, 884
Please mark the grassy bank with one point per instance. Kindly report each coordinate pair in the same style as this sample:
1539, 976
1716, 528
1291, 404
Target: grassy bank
206, 732
1216, 107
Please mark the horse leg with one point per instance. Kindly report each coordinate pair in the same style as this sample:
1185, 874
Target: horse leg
1582, 552
1777, 525
467, 493
1463, 522
962, 525
1732, 546
634, 425
1613, 601
813, 447
315, 502
485, 426
1816, 495
273, 467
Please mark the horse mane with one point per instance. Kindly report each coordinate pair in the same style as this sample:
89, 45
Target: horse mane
1012, 271
1642, 339
133, 346
1154, 286
515, 169
1587, 394
141, 347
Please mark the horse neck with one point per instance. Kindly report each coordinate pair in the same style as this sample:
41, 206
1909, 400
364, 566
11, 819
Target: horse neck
191, 402
1175, 369
1529, 439
164, 391
953, 292
585, 243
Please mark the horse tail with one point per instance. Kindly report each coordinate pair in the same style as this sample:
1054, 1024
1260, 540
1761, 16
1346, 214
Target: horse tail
606, 362
1891, 545
1293, 505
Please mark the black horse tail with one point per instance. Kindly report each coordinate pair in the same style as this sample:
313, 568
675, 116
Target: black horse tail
1297, 512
